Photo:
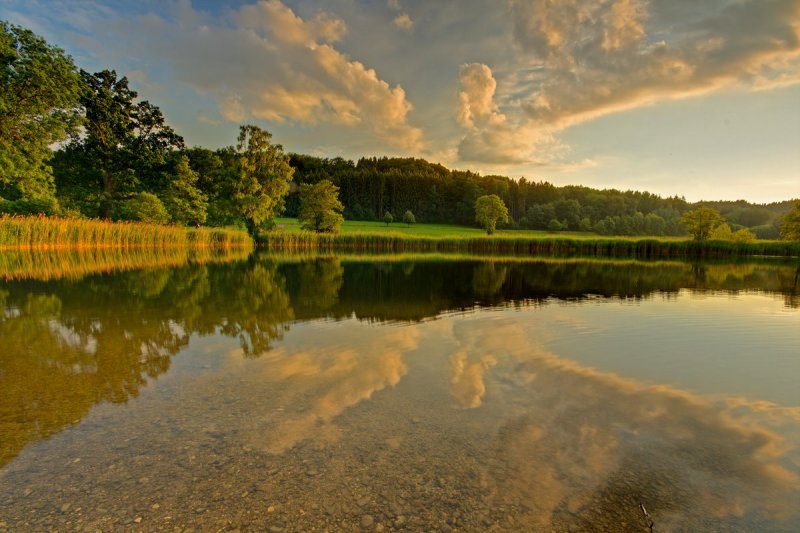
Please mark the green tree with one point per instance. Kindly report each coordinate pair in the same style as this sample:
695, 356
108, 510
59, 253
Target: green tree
408, 218
182, 199
489, 209
142, 207
263, 180
701, 221
39, 88
388, 218
320, 208
125, 148
790, 224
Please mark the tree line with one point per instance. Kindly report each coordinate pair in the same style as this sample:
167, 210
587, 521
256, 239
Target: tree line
117, 158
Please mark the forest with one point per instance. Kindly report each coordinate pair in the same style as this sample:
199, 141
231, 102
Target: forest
81, 144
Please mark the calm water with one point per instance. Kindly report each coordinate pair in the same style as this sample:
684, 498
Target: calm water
422, 394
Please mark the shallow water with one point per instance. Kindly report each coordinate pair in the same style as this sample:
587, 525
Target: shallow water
393, 393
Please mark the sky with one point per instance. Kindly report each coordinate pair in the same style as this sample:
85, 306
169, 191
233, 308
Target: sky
699, 99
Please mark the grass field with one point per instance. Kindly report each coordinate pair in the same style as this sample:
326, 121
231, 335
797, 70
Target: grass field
452, 230
399, 238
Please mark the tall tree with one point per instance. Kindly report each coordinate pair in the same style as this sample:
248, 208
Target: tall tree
320, 208
182, 199
264, 176
125, 146
39, 88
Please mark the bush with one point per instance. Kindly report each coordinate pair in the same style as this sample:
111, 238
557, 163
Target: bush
29, 206
143, 207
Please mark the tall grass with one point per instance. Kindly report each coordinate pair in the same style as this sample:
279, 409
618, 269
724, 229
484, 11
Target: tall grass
525, 245
50, 232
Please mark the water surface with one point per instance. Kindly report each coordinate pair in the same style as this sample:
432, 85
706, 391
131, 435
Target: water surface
402, 393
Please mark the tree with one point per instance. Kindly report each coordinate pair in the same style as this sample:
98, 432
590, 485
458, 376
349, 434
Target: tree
320, 208
408, 218
184, 202
263, 180
388, 218
125, 147
790, 224
142, 207
489, 209
701, 221
39, 88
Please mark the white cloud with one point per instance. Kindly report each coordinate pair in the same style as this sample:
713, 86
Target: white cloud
599, 56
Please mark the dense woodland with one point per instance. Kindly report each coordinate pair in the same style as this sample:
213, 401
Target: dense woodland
117, 158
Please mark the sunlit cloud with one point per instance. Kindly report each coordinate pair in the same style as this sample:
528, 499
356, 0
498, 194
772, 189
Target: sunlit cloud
490, 137
595, 57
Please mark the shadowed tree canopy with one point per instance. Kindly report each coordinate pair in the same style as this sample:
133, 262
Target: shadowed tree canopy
125, 148
39, 88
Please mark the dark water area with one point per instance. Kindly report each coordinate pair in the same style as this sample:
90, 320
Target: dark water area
413, 393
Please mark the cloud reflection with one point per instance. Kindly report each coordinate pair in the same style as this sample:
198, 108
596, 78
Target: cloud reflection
579, 439
321, 380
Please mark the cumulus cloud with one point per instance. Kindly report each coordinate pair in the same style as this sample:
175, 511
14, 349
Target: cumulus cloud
490, 137
264, 61
598, 56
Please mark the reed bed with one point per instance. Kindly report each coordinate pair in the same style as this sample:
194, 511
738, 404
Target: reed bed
18, 232
505, 244
74, 263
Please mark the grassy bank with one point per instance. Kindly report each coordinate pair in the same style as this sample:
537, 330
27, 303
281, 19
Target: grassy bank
453, 240
49, 232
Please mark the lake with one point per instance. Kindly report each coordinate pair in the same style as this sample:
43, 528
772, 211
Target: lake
418, 393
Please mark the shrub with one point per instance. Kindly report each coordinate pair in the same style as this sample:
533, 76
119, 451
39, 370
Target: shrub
143, 207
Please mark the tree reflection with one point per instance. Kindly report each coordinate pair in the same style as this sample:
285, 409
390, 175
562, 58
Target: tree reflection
70, 344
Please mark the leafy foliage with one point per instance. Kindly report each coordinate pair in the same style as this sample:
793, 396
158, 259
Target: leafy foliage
701, 221
723, 232
790, 224
320, 208
182, 199
408, 218
142, 207
39, 87
489, 209
263, 179
388, 218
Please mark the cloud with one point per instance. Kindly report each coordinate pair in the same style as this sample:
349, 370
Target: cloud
594, 57
403, 21
490, 136
263, 61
